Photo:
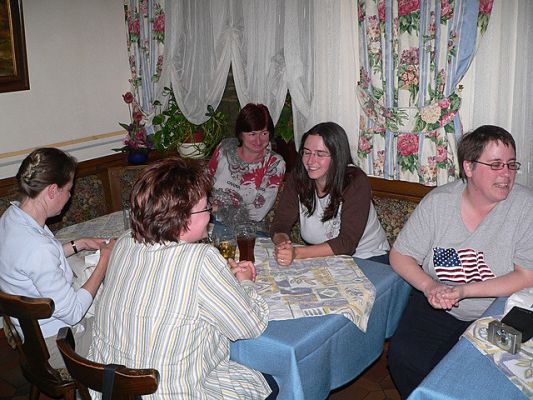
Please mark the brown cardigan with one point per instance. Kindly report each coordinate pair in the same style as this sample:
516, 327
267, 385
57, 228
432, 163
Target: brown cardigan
354, 215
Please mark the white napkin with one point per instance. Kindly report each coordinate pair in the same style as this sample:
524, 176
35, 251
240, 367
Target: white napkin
522, 298
92, 259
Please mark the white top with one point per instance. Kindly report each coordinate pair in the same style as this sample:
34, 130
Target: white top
314, 231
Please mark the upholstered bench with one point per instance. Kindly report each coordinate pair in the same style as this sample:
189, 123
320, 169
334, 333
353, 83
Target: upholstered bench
103, 186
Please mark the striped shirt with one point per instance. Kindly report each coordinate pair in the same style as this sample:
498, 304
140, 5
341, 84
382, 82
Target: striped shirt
175, 307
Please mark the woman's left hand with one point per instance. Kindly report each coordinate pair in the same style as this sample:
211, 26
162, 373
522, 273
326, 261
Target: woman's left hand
243, 270
89, 243
443, 296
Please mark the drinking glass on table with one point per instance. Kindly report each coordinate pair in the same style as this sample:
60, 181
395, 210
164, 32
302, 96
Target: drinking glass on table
126, 218
246, 234
223, 239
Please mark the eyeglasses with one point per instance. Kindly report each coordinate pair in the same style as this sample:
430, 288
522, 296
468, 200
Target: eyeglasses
317, 153
254, 134
498, 165
208, 209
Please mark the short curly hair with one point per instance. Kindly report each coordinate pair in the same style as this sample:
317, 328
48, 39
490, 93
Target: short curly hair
163, 197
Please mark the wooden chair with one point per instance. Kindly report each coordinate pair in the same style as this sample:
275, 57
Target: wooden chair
121, 180
33, 353
128, 384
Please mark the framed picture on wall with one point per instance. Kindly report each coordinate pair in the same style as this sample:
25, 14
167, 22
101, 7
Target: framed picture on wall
13, 63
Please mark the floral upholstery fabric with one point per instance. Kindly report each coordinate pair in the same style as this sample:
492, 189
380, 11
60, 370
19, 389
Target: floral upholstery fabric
393, 213
6, 199
87, 202
127, 180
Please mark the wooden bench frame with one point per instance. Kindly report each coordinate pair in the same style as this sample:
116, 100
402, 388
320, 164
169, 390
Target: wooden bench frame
108, 170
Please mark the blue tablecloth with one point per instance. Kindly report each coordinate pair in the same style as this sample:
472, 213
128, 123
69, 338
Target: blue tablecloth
466, 374
309, 357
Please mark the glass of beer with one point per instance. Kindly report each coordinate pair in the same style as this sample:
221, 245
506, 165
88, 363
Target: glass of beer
246, 241
223, 239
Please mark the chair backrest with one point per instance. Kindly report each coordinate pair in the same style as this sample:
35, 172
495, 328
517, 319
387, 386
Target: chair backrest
32, 350
121, 180
128, 383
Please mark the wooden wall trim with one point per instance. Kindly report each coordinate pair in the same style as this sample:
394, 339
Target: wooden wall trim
398, 189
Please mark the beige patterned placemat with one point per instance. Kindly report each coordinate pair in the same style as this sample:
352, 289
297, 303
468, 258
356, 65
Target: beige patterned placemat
517, 367
313, 287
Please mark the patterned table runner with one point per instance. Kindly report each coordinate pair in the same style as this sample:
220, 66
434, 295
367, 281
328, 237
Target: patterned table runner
308, 288
517, 367
312, 287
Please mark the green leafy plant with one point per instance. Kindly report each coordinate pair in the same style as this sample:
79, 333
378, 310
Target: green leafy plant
285, 127
173, 130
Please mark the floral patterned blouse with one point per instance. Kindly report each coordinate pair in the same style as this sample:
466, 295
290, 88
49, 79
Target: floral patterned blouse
253, 185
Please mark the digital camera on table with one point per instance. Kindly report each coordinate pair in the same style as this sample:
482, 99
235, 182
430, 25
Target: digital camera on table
504, 336
515, 327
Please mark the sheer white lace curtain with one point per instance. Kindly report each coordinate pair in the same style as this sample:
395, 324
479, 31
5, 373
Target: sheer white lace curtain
308, 47
498, 89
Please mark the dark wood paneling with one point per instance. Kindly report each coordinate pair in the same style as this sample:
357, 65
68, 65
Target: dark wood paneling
398, 189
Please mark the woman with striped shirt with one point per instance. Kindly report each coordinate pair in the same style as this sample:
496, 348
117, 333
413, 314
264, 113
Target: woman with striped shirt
172, 304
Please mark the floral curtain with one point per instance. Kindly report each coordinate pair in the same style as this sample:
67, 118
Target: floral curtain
145, 21
413, 54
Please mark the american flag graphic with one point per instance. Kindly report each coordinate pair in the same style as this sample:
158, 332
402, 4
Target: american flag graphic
461, 266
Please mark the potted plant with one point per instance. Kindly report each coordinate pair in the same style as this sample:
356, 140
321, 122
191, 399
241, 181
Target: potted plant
136, 143
175, 132
285, 144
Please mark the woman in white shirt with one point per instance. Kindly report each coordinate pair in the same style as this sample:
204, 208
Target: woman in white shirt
332, 199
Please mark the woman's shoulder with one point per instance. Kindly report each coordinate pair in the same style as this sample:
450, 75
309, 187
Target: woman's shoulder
197, 250
522, 192
20, 227
229, 143
356, 177
355, 171
448, 190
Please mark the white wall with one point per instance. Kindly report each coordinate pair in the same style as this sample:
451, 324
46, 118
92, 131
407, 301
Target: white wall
78, 70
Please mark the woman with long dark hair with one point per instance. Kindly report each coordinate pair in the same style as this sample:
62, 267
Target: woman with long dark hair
332, 200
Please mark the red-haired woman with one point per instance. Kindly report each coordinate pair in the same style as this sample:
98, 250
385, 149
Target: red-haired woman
172, 304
